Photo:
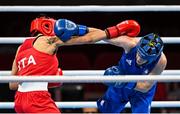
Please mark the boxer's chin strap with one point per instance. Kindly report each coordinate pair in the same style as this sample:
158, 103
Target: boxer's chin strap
39, 35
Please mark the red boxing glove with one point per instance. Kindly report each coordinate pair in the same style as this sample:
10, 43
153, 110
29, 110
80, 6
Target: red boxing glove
128, 27
52, 85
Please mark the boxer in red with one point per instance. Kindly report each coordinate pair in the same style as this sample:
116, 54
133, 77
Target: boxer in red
36, 57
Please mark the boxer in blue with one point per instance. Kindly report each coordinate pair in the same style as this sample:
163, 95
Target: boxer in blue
141, 57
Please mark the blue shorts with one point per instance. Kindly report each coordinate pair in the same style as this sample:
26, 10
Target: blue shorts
115, 99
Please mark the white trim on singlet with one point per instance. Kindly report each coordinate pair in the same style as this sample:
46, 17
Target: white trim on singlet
33, 86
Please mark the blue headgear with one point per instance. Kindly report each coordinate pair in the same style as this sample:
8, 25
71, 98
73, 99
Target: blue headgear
150, 47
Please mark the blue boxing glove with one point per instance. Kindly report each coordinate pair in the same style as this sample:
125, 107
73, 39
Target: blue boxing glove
65, 29
114, 70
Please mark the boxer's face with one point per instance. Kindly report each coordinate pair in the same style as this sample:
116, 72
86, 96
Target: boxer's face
139, 60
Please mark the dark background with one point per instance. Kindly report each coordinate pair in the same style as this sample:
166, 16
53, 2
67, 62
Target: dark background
91, 57
89, 2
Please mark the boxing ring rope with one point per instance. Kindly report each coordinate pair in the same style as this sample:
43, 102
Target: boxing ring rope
92, 104
18, 40
90, 8
93, 72
90, 79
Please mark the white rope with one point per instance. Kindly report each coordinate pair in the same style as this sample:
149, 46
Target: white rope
92, 72
92, 104
18, 40
90, 8
91, 79
11, 40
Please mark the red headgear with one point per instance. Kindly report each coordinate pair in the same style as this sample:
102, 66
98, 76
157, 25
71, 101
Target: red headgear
43, 25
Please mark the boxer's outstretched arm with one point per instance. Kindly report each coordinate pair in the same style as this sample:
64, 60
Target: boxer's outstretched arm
125, 28
92, 36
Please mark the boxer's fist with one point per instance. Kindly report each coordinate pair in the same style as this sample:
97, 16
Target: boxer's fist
65, 29
129, 27
114, 70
